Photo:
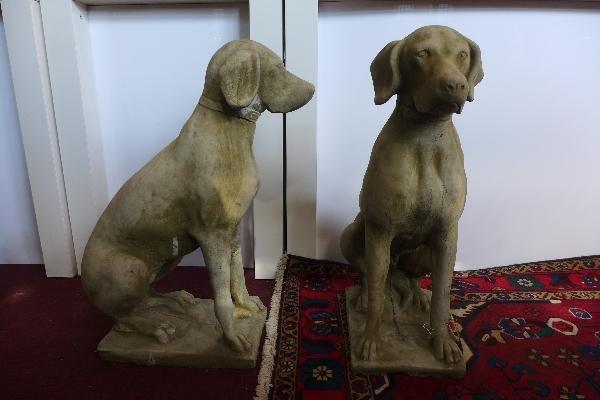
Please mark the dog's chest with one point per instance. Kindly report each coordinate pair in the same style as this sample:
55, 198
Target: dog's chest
419, 183
231, 189
238, 193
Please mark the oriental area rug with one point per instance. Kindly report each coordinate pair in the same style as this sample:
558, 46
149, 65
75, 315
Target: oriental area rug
529, 331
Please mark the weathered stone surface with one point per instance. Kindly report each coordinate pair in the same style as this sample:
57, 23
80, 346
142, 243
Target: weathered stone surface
415, 187
192, 194
405, 343
198, 342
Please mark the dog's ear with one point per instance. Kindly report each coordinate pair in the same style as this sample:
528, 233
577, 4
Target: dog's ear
385, 71
476, 70
240, 76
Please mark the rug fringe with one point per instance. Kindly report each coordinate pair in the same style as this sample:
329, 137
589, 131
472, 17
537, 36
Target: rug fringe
266, 366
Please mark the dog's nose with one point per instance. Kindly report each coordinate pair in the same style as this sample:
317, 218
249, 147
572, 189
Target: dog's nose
453, 86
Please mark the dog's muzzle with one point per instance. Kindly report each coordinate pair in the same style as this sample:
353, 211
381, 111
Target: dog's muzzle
250, 113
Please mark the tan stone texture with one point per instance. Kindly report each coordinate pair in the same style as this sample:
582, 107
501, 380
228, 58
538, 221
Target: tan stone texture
415, 186
193, 193
199, 342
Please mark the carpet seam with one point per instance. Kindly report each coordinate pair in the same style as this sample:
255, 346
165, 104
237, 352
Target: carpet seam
265, 374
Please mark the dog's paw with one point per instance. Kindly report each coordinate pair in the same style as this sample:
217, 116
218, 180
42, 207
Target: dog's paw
362, 301
368, 348
248, 306
182, 297
421, 300
445, 348
164, 332
238, 343
146, 324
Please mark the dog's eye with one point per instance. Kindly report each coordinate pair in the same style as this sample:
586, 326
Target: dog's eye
423, 53
463, 54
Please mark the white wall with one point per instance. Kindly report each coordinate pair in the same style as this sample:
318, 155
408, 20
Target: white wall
530, 138
149, 65
19, 242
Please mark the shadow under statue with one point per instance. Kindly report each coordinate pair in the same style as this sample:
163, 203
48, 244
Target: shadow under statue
192, 194
412, 197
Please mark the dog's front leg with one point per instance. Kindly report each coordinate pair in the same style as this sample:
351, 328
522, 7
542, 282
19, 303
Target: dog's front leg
216, 249
445, 347
243, 302
377, 261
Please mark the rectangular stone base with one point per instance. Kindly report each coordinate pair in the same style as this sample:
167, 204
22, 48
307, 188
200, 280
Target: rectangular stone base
200, 344
404, 345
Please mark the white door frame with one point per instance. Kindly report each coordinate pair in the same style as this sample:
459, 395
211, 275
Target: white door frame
27, 56
266, 27
301, 48
70, 67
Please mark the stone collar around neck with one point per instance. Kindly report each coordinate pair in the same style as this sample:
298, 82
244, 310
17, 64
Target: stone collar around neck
250, 113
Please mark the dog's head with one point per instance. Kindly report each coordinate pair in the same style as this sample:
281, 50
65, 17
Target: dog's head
243, 72
434, 70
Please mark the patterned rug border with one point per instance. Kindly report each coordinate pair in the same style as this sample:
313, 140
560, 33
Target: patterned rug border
516, 296
556, 265
553, 265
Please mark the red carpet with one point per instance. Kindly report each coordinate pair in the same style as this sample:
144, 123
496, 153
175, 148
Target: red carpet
530, 331
49, 331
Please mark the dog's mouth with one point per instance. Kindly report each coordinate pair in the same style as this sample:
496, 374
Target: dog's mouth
437, 110
448, 108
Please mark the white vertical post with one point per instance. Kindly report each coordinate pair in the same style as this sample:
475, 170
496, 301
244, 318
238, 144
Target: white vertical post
266, 27
71, 74
29, 70
301, 24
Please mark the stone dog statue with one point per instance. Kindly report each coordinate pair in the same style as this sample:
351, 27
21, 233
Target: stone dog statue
414, 189
193, 193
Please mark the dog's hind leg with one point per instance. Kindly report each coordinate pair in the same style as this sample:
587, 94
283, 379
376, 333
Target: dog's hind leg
410, 291
401, 284
420, 299
163, 331
177, 301
410, 266
352, 245
117, 284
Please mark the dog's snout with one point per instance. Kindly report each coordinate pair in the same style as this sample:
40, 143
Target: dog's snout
454, 86
287, 94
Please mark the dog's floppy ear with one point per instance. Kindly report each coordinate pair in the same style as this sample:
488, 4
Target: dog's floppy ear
240, 76
476, 70
385, 71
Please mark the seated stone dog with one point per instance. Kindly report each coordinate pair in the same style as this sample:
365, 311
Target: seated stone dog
193, 193
414, 188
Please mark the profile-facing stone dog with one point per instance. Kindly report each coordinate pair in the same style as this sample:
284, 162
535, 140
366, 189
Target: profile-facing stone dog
193, 193
414, 189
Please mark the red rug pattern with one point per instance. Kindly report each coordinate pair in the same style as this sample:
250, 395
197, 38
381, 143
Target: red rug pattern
529, 331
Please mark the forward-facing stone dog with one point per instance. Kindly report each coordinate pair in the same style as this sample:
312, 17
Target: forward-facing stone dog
415, 186
193, 193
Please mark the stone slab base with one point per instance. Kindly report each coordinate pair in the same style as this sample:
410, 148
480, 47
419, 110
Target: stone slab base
197, 344
404, 345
